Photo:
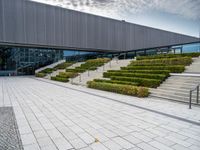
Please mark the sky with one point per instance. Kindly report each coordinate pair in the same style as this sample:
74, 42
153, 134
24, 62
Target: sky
180, 16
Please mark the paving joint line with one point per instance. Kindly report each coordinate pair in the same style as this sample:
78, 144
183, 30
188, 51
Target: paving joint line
125, 103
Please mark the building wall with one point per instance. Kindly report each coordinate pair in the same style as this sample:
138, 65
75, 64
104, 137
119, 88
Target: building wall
34, 24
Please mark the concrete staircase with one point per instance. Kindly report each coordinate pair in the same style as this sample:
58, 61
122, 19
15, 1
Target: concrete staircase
83, 78
177, 87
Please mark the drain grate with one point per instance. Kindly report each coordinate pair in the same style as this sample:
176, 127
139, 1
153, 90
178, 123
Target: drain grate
9, 134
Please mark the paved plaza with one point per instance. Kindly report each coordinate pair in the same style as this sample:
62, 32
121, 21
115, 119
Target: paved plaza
57, 116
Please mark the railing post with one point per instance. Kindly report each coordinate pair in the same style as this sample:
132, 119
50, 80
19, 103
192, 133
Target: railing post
197, 94
79, 77
190, 103
71, 80
88, 73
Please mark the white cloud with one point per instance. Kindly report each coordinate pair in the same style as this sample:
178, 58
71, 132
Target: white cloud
117, 8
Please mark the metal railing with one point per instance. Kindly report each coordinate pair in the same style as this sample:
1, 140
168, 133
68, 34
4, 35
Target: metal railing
197, 96
89, 70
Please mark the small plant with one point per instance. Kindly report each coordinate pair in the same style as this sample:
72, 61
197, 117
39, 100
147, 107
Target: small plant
68, 74
40, 75
59, 79
142, 92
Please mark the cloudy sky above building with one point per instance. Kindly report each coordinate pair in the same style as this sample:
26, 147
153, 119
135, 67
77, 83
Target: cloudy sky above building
182, 16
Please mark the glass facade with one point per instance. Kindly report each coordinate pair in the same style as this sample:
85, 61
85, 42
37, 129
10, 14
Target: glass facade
187, 48
24, 61
79, 56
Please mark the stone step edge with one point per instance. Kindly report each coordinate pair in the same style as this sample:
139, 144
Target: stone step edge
173, 99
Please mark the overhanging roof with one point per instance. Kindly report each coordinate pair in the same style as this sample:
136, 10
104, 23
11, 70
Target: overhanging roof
32, 24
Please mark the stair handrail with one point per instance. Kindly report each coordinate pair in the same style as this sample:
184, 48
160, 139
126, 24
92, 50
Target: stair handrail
196, 88
88, 71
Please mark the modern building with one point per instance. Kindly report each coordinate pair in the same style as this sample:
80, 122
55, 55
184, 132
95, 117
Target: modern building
39, 33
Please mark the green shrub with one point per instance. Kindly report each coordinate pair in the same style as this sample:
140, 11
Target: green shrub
174, 68
47, 70
63, 65
98, 60
166, 72
67, 74
140, 75
72, 70
40, 75
169, 56
153, 83
117, 88
57, 78
142, 92
116, 82
163, 61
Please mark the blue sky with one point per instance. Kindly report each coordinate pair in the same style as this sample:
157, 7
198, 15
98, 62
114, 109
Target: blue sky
181, 16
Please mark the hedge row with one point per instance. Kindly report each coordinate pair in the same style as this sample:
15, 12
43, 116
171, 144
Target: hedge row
121, 89
166, 72
116, 82
64, 76
168, 56
164, 61
44, 72
63, 65
173, 68
47, 70
75, 70
140, 75
57, 78
153, 83
67, 74
40, 75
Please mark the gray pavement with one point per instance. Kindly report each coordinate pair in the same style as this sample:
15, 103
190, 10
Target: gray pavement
54, 117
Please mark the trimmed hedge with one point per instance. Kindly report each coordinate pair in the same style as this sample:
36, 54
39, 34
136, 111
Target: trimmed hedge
169, 56
153, 83
47, 70
40, 75
174, 68
166, 72
62, 65
57, 78
121, 89
116, 82
67, 74
140, 75
164, 61
73, 70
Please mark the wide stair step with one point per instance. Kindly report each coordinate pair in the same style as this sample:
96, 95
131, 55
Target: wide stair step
177, 87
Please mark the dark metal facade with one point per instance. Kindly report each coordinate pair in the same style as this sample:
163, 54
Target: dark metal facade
32, 24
